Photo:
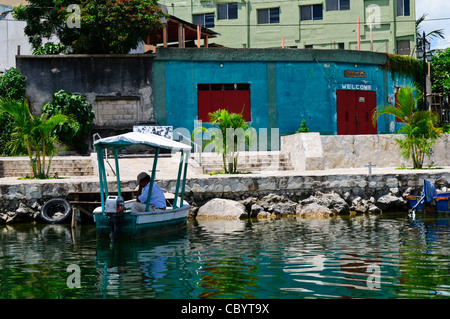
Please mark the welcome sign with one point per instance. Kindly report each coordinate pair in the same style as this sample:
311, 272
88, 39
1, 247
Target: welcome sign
362, 87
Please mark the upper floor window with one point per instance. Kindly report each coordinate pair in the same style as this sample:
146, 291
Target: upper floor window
204, 20
333, 5
312, 12
227, 11
268, 15
403, 8
403, 47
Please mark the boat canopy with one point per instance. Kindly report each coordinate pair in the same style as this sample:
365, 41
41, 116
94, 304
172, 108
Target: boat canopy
147, 139
136, 138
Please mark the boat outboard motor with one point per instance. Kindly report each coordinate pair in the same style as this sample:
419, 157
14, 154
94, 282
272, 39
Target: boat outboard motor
114, 206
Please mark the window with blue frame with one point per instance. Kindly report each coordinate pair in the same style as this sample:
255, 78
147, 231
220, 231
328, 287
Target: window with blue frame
227, 11
312, 12
337, 5
271, 15
204, 20
403, 8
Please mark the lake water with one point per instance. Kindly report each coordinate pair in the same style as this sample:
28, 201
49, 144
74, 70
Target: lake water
388, 256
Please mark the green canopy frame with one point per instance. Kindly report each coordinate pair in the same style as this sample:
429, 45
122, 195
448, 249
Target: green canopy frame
181, 176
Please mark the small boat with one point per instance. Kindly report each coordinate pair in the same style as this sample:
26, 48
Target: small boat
114, 216
430, 200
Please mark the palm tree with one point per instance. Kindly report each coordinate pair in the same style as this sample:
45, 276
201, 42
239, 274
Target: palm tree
419, 129
33, 134
439, 33
230, 136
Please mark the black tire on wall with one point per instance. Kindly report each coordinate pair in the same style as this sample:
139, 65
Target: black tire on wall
56, 210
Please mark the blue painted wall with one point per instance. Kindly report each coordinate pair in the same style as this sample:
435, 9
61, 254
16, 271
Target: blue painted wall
182, 77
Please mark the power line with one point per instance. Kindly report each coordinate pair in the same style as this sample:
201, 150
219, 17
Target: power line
302, 23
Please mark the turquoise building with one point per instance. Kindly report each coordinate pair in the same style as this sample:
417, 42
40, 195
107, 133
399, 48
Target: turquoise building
334, 91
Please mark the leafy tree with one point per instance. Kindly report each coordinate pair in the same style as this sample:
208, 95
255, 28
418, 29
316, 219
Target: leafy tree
419, 129
441, 72
12, 85
34, 134
230, 136
67, 104
105, 26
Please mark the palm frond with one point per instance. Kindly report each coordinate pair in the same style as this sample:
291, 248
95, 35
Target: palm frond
439, 33
18, 110
388, 109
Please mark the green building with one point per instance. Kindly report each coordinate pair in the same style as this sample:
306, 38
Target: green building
318, 24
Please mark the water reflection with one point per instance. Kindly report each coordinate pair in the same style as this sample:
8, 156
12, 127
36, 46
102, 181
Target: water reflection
425, 252
225, 268
387, 256
138, 266
34, 259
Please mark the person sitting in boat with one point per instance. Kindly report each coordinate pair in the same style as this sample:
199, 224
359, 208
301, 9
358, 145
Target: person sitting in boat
157, 199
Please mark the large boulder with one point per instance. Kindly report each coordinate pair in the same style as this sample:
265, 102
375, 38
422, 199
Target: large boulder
332, 201
314, 210
390, 202
222, 208
275, 204
360, 205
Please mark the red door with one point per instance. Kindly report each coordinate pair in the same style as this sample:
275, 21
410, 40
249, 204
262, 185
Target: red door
234, 101
354, 112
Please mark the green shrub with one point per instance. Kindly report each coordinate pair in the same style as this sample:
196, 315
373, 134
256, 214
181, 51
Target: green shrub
34, 134
303, 128
229, 137
6, 123
12, 85
50, 48
419, 128
67, 104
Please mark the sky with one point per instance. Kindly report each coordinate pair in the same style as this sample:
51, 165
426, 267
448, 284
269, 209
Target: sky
439, 16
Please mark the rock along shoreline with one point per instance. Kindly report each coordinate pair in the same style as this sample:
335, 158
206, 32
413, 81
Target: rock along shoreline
264, 195
319, 205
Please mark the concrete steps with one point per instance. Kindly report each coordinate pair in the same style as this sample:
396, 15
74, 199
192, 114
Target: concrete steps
249, 162
129, 167
63, 165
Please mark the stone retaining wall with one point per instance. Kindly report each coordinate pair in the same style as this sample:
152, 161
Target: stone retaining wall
311, 151
201, 189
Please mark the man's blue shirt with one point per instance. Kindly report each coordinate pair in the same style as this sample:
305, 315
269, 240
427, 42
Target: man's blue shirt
157, 199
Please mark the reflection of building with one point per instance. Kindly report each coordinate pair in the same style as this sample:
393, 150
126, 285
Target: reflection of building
318, 24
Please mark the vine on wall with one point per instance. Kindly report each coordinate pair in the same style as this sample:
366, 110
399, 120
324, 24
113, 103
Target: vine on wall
405, 66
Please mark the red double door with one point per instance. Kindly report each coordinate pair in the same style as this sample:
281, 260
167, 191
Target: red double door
234, 101
354, 112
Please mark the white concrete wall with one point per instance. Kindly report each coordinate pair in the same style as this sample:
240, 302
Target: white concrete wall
11, 36
311, 151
